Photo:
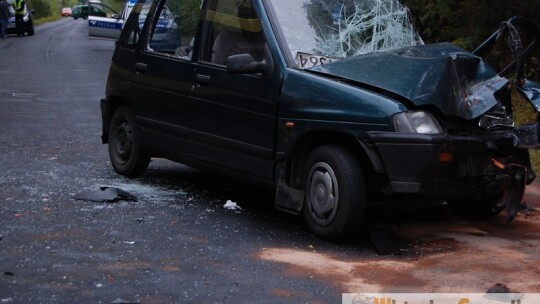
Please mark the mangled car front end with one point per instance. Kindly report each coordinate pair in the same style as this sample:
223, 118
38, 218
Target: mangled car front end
458, 140
451, 135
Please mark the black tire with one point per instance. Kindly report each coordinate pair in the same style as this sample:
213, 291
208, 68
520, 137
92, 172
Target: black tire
30, 31
127, 156
478, 209
335, 199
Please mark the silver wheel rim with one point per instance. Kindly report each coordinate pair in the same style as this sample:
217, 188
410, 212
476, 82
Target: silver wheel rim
322, 193
124, 142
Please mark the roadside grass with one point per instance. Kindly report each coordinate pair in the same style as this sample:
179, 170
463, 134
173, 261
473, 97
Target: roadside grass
47, 19
524, 113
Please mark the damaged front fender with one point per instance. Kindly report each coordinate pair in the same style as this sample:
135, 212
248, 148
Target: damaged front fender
531, 91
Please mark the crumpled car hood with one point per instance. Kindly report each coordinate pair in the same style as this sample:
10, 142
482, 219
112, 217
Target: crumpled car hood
444, 75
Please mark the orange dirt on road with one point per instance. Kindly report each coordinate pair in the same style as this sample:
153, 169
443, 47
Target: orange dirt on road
452, 254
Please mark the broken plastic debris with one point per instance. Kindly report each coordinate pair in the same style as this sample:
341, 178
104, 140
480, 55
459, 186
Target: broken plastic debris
501, 293
232, 206
105, 194
384, 239
499, 288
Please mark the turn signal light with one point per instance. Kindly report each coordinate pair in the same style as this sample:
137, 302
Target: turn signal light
289, 125
445, 157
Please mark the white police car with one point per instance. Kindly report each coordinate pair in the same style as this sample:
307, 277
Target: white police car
109, 27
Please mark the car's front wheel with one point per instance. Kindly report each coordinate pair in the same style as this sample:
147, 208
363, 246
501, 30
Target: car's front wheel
335, 192
125, 151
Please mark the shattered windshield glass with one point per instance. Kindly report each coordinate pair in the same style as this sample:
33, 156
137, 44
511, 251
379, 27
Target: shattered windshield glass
321, 31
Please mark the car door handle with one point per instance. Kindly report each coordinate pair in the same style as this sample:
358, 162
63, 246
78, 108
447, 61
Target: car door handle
202, 79
140, 67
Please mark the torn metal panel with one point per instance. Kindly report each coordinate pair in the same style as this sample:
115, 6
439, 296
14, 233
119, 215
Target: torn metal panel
528, 136
531, 91
520, 52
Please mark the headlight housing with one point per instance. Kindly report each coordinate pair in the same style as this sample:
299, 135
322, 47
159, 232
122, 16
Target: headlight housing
417, 122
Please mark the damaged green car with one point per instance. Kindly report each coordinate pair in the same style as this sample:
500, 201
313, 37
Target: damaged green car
335, 104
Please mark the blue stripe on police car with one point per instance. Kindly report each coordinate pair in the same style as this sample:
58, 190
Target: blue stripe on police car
105, 24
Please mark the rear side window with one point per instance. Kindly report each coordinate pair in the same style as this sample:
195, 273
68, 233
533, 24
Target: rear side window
133, 28
173, 32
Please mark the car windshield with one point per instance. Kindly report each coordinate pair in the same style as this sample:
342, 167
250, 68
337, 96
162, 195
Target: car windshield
335, 29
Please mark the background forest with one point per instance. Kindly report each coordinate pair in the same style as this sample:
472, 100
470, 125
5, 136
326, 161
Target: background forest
466, 22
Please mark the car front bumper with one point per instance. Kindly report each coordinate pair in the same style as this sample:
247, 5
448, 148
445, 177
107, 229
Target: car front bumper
450, 167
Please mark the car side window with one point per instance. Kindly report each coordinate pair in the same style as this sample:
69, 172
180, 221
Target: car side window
132, 30
173, 32
231, 28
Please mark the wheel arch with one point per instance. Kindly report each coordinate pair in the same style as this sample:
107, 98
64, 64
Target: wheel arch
109, 105
308, 142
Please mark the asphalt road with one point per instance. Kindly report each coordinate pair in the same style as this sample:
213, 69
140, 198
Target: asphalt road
177, 243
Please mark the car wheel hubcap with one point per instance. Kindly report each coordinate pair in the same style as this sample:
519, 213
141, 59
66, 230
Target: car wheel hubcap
124, 142
322, 193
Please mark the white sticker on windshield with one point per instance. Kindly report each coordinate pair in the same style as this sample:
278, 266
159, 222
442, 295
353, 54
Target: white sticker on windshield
306, 61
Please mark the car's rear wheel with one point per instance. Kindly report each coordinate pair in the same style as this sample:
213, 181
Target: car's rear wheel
335, 192
125, 151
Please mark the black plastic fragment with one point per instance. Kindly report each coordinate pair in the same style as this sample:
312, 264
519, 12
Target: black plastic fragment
105, 194
384, 239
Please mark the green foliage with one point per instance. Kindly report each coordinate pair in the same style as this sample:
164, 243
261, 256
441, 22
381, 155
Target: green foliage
189, 16
466, 21
186, 13
42, 8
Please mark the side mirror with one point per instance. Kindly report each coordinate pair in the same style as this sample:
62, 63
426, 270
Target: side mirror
244, 64
115, 16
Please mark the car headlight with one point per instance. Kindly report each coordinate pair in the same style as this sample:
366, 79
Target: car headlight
417, 122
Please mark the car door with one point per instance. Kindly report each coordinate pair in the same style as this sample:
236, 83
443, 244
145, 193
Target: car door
104, 22
233, 116
160, 71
